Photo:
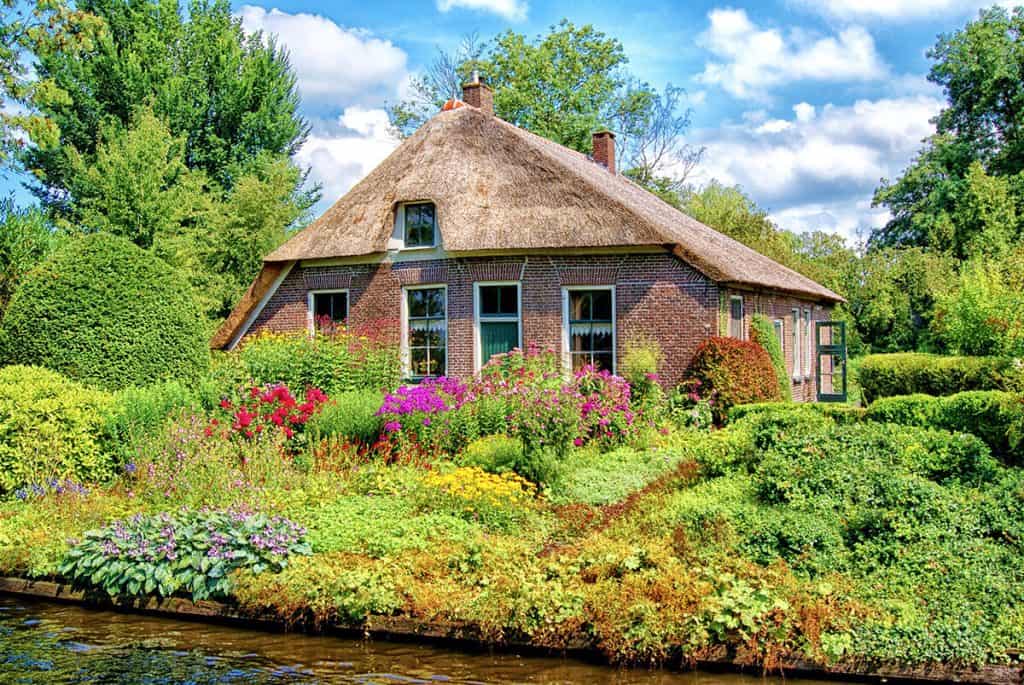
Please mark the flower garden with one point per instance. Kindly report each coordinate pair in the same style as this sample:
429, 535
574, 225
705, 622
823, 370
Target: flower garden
300, 478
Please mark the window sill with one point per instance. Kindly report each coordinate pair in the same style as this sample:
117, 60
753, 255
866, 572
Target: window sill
417, 248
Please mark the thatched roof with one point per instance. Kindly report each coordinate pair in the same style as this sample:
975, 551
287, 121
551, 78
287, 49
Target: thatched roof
498, 187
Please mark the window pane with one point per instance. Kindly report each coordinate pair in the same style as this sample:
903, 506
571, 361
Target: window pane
602, 305
603, 361
509, 300
417, 303
499, 300
332, 306
436, 333
580, 337
437, 362
602, 337
579, 305
419, 225
435, 301
418, 361
579, 361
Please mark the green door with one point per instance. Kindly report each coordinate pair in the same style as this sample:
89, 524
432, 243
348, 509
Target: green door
830, 339
498, 337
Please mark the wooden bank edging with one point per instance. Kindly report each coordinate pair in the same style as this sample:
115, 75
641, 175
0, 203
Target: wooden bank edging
451, 633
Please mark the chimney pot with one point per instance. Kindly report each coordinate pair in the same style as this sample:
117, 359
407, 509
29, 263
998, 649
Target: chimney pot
604, 149
478, 94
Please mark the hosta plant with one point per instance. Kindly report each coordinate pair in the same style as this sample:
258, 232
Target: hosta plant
188, 552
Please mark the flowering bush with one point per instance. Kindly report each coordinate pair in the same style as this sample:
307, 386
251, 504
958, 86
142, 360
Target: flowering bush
605, 413
191, 552
272, 408
419, 419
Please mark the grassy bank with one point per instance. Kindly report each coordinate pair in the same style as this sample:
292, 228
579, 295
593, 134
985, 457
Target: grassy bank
791, 538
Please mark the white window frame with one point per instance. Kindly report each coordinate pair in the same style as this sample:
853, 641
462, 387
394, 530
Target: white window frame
404, 344
797, 347
310, 316
400, 218
809, 346
566, 351
478, 353
743, 315
781, 324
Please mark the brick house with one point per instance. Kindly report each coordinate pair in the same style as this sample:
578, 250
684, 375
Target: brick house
474, 237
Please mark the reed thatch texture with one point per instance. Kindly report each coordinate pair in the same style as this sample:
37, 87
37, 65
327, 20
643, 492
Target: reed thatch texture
498, 187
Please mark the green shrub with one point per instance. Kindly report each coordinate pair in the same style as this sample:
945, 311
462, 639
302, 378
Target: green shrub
351, 416
763, 333
989, 415
640, 365
908, 410
494, 453
809, 469
137, 417
336, 363
102, 311
842, 414
907, 373
50, 428
732, 372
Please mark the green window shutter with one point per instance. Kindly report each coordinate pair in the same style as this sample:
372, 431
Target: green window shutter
498, 337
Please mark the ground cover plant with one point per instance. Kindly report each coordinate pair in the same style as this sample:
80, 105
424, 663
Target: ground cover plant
554, 509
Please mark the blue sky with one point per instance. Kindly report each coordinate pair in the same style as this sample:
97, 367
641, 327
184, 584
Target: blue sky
804, 103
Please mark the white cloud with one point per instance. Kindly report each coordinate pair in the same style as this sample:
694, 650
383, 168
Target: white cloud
899, 10
804, 112
334, 64
341, 152
514, 10
820, 168
750, 60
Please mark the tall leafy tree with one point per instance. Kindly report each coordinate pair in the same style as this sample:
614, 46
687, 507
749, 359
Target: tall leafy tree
169, 127
964, 193
230, 96
27, 28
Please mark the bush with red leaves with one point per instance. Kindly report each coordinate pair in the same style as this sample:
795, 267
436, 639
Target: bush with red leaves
733, 372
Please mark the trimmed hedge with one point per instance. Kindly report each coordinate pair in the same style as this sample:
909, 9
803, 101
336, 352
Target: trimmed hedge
763, 333
994, 416
907, 373
732, 372
104, 312
51, 428
842, 414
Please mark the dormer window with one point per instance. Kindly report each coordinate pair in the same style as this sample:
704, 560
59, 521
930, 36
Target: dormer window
420, 222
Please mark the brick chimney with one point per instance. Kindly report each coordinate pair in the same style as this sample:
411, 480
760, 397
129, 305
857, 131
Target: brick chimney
478, 94
604, 149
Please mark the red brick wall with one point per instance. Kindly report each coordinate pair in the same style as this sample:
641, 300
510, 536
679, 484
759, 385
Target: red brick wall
657, 296
780, 306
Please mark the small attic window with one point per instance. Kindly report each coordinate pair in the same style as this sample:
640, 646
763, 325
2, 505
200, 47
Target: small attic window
420, 221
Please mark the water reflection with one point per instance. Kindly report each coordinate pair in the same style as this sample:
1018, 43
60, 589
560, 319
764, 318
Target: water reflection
42, 642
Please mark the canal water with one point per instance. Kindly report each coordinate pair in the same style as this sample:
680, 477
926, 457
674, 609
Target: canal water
45, 642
